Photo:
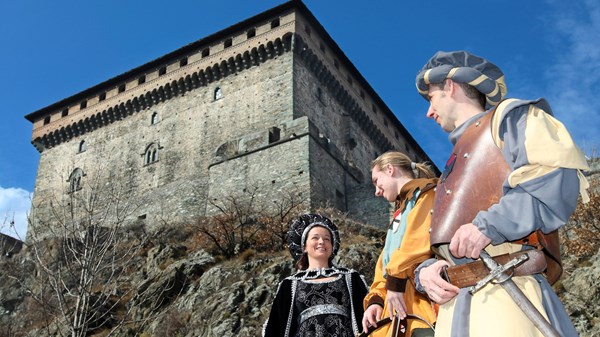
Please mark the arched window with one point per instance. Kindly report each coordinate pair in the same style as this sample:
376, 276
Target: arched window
154, 118
151, 154
75, 180
82, 146
218, 93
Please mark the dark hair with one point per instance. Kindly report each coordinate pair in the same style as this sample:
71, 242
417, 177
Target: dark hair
470, 91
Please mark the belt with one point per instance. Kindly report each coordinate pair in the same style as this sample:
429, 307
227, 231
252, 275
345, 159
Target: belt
321, 309
468, 274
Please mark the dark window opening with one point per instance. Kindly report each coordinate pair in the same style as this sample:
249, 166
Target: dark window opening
349, 79
362, 94
251, 33
321, 46
385, 122
228, 43
162, 71
75, 180
374, 108
218, 94
336, 64
183, 62
102, 97
205, 52
274, 134
274, 23
151, 154
46, 120
121, 88
154, 118
83, 105
142, 217
307, 30
142, 79
65, 113
82, 146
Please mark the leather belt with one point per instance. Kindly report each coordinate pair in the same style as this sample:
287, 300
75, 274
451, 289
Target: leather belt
468, 274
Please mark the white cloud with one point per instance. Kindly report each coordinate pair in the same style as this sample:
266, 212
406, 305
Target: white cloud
574, 78
14, 206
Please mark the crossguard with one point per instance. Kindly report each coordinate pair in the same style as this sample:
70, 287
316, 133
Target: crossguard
498, 272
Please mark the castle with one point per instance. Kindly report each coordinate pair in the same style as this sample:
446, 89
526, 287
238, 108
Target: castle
270, 103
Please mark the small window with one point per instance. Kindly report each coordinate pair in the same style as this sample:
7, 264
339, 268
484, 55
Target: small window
154, 118
274, 135
65, 113
251, 33
227, 43
74, 181
183, 62
275, 23
82, 146
307, 30
205, 52
102, 97
218, 93
121, 88
151, 154
162, 71
47, 120
83, 105
142, 79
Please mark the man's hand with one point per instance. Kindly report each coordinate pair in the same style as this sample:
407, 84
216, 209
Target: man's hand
436, 287
395, 302
468, 241
371, 316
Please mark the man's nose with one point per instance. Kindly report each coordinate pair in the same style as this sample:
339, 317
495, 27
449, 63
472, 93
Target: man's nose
430, 112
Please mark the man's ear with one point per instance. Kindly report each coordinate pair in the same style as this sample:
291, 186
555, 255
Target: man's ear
389, 169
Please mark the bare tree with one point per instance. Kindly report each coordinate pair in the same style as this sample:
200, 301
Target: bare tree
84, 254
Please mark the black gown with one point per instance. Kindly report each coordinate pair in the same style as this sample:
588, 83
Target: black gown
329, 308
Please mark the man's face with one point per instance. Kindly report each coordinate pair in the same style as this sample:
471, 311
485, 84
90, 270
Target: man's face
439, 108
385, 185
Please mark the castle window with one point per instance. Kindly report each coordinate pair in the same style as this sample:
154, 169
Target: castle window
227, 43
82, 146
65, 113
121, 88
183, 62
142, 79
274, 134
151, 154
307, 30
47, 120
218, 93
154, 118
102, 97
75, 180
162, 71
83, 105
251, 33
205, 52
275, 23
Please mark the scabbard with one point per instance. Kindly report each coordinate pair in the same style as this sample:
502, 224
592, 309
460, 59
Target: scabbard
466, 275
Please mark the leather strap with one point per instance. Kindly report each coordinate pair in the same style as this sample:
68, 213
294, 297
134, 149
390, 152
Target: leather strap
466, 275
389, 320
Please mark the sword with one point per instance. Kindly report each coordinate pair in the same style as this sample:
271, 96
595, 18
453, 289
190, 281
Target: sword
499, 275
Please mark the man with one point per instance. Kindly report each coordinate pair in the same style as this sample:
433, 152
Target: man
512, 180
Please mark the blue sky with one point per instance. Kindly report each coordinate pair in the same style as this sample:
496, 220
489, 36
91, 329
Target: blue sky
53, 49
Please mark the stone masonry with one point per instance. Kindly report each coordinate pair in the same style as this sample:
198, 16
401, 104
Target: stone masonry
270, 103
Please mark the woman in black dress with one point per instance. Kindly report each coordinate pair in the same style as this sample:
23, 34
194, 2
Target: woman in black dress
321, 299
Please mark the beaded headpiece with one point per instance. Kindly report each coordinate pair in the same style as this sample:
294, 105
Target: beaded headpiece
299, 228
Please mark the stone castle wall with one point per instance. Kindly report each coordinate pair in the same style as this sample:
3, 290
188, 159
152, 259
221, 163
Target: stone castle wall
279, 112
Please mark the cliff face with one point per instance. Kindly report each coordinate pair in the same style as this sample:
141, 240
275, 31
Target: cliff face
193, 294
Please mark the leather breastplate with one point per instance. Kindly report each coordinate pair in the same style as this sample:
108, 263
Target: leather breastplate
471, 182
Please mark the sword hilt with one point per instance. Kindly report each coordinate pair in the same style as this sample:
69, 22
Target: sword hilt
498, 272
